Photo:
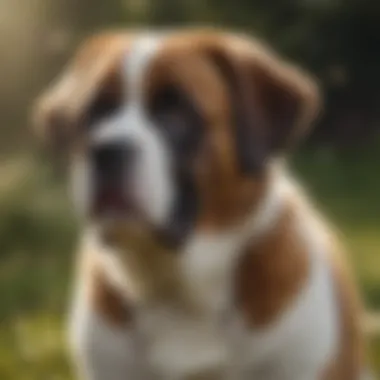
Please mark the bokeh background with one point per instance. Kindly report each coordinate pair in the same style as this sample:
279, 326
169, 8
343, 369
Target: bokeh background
337, 40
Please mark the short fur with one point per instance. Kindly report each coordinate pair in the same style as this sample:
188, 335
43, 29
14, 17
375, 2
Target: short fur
273, 301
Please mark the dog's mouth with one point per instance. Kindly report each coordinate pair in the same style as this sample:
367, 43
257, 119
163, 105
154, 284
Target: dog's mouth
111, 181
111, 201
114, 206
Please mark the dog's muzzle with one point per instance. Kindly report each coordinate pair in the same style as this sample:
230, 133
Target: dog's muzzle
112, 166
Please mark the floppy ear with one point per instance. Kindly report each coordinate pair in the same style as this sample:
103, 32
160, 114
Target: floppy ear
88, 89
273, 102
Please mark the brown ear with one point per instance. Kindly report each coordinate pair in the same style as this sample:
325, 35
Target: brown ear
274, 103
90, 87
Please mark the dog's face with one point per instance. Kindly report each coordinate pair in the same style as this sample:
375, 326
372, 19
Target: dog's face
177, 129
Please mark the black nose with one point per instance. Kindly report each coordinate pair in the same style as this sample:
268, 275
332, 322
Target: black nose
111, 160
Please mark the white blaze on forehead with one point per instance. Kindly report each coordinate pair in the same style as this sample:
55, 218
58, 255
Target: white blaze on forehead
136, 63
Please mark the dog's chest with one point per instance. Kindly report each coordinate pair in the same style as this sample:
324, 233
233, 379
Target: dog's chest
178, 343
180, 346
208, 267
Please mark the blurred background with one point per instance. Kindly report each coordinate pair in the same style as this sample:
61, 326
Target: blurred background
337, 40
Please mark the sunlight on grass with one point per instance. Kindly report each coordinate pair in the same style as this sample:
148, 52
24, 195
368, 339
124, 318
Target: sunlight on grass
375, 356
33, 348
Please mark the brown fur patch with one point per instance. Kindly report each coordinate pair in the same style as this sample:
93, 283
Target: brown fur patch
226, 195
273, 87
272, 273
104, 298
93, 75
231, 77
107, 301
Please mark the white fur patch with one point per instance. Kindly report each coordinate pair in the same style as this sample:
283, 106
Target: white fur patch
152, 183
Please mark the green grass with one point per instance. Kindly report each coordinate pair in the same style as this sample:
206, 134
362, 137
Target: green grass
33, 348
37, 237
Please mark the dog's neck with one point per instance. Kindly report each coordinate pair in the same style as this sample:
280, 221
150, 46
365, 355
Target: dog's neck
265, 211
210, 257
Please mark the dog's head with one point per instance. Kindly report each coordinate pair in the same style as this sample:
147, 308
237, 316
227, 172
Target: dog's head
174, 129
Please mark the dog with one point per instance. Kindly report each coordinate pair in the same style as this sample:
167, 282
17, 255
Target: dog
186, 133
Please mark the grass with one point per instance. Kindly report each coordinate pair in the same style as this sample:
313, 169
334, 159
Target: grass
33, 348
37, 237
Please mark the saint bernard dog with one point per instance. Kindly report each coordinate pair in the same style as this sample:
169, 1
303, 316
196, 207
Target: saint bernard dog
184, 133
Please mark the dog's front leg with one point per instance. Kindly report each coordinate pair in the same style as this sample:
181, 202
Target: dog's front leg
102, 350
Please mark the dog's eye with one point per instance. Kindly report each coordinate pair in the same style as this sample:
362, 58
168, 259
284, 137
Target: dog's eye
102, 107
177, 118
107, 101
